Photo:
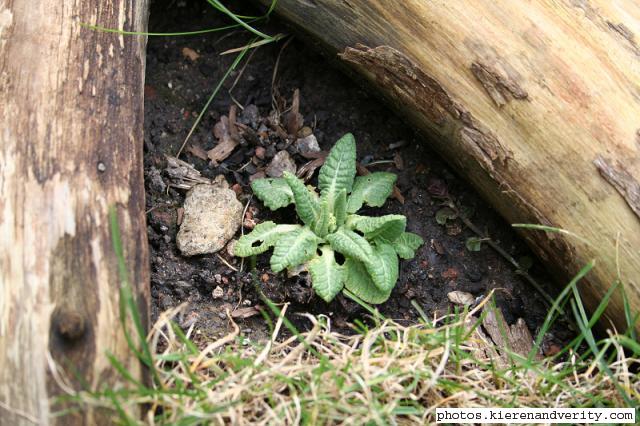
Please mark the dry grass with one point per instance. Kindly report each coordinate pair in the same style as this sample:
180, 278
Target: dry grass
388, 374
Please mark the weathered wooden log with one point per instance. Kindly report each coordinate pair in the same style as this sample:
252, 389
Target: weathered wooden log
536, 103
71, 117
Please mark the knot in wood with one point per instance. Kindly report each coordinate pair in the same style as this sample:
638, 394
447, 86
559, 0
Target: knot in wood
69, 324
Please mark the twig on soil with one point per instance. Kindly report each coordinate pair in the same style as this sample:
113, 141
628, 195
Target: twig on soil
244, 166
244, 213
274, 105
505, 255
376, 163
233, 268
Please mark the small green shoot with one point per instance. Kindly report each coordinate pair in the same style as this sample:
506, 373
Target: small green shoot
474, 243
370, 245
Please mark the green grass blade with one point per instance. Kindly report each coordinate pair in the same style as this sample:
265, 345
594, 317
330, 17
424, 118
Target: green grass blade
127, 301
583, 321
630, 318
154, 34
224, 78
219, 6
560, 301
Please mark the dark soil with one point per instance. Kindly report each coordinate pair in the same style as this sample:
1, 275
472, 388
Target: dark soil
176, 89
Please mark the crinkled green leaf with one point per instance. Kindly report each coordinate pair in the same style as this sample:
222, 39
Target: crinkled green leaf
383, 266
388, 227
372, 189
350, 244
275, 193
380, 260
325, 218
339, 170
340, 209
263, 236
294, 248
327, 277
307, 205
358, 281
407, 244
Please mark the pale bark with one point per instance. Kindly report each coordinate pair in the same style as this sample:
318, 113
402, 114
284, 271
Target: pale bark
70, 147
536, 103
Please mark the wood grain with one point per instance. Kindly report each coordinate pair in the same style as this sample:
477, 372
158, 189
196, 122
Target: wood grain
70, 147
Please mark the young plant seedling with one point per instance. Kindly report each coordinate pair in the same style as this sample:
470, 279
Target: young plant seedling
370, 245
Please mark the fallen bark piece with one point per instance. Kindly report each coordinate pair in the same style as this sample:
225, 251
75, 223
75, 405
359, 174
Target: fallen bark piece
182, 174
228, 140
197, 151
212, 215
498, 341
507, 338
293, 119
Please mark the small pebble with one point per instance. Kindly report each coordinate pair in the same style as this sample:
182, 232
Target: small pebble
461, 298
308, 144
218, 292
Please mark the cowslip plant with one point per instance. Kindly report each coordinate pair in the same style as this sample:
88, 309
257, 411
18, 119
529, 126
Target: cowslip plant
370, 245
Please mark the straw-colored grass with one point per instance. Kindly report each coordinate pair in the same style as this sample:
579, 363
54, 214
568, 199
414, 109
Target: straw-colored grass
387, 374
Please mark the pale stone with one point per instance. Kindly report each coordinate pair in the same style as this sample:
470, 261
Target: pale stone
212, 216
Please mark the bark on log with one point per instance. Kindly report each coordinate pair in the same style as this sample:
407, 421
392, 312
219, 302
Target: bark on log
70, 147
536, 103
